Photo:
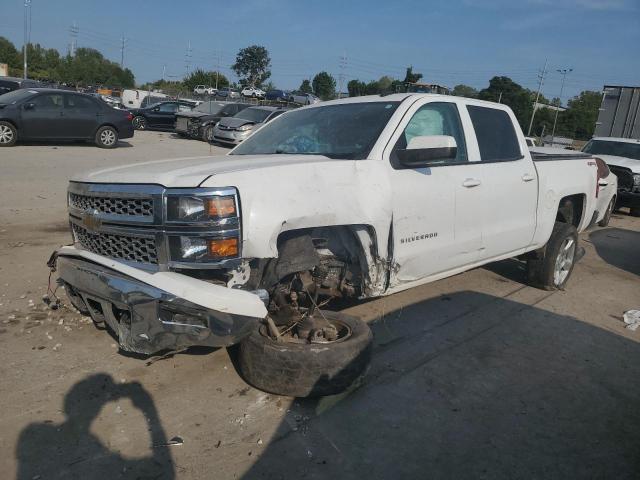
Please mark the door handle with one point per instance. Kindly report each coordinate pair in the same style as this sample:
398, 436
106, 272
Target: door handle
603, 183
470, 183
527, 177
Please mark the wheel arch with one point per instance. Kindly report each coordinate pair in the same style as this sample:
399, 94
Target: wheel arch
571, 209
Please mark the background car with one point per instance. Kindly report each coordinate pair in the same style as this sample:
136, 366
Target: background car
277, 95
48, 114
253, 92
227, 92
303, 98
199, 122
9, 84
233, 130
160, 116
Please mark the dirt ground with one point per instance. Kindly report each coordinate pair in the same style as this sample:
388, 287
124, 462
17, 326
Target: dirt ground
475, 376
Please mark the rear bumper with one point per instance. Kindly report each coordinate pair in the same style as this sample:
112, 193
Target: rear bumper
126, 131
154, 312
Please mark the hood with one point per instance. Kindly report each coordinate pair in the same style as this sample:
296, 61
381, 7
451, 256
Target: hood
630, 163
190, 172
234, 122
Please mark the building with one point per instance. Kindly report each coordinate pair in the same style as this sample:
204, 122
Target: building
619, 114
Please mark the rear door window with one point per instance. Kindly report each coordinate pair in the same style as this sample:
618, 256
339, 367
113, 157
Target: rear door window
77, 102
48, 101
497, 138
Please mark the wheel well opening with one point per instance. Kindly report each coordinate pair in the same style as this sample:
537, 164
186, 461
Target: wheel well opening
570, 210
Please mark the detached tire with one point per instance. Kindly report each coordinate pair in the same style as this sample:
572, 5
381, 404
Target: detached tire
553, 268
107, 137
306, 370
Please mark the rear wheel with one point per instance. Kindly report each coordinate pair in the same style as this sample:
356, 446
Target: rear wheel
607, 216
553, 266
107, 137
207, 133
300, 369
8, 134
139, 123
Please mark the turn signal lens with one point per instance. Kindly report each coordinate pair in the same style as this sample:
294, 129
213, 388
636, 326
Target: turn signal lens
221, 207
227, 247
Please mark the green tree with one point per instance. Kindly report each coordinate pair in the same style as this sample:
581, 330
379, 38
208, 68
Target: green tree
9, 53
356, 88
411, 77
200, 77
324, 86
579, 120
511, 94
305, 86
252, 65
464, 91
384, 84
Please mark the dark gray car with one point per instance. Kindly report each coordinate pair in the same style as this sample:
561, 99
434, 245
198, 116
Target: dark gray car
233, 130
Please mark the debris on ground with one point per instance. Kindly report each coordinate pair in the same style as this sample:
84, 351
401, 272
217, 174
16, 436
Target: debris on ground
171, 442
632, 319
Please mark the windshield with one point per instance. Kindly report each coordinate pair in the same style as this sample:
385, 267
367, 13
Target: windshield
347, 130
608, 147
209, 107
16, 96
256, 115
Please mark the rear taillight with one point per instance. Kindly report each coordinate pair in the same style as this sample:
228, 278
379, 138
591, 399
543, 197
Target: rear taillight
129, 116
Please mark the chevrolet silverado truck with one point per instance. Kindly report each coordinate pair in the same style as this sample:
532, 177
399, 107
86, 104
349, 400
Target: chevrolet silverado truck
353, 198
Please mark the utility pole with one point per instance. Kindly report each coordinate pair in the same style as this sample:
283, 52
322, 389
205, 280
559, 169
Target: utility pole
500, 97
535, 104
563, 72
217, 67
164, 71
123, 42
27, 33
73, 30
343, 65
187, 59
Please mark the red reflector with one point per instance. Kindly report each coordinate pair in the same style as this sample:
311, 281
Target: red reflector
129, 116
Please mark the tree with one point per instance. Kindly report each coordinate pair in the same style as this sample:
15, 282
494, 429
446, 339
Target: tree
411, 77
511, 94
384, 84
324, 86
356, 88
579, 120
200, 77
464, 91
305, 86
9, 54
252, 65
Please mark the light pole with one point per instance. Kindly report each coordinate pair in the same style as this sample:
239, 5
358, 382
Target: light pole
27, 28
562, 72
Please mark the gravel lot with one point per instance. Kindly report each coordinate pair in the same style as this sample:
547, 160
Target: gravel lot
475, 376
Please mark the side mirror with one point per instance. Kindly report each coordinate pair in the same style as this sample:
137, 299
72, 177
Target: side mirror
424, 151
29, 106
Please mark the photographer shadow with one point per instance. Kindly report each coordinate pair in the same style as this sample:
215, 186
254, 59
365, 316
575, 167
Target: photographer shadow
71, 450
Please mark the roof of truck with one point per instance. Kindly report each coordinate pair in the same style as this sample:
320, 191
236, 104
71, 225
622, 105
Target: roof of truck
617, 139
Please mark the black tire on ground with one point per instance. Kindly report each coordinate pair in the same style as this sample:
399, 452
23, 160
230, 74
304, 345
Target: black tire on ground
207, 133
607, 216
560, 251
634, 211
305, 370
139, 123
8, 134
107, 137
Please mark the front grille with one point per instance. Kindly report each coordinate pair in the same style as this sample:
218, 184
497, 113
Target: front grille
625, 177
139, 207
136, 249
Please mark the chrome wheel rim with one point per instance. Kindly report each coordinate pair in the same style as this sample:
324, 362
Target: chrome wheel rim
6, 134
564, 261
108, 137
138, 123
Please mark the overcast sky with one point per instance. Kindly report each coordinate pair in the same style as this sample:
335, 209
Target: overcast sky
449, 41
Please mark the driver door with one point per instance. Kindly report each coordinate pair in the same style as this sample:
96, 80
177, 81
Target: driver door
163, 115
437, 211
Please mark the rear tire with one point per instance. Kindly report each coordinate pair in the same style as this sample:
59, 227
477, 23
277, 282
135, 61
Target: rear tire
207, 134
634, 211
107, 137
302, 369
139, 123
607, 216
8, 134
553, 267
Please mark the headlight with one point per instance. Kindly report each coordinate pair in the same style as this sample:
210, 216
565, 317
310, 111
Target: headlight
202, 249
244, 128
199, 208
636, 179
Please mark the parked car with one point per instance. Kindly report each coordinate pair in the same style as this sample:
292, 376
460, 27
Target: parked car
227, 92
622, 155
9, 84
353, 198
277, 95
159, 116
199, 122
201, 90
138, 98
233, 130
153, 100
252, 92
303, 98
48, 114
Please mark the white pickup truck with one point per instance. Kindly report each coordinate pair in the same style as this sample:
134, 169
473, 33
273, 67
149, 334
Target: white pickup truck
360, 197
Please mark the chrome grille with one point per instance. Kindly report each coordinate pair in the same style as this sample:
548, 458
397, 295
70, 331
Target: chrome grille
139, 207
136, 249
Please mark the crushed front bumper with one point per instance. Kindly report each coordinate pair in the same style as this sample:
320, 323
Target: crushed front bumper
150, 312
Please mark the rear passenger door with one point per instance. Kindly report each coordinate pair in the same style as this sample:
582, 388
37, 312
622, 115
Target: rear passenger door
437, 222
81, 115
510, 197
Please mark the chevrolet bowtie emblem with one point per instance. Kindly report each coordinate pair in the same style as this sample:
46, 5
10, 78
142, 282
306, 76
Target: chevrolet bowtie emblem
91, 219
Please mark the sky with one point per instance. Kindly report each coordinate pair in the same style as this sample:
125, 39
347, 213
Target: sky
448, 41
